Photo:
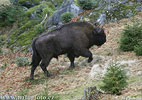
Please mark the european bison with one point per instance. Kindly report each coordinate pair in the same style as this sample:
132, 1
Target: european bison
74, 39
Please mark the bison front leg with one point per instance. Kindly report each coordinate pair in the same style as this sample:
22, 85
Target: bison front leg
86, 53
71, 58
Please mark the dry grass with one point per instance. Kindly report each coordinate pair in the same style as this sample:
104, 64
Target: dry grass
4, 2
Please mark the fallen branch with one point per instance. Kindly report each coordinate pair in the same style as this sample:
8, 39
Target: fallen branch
43, 21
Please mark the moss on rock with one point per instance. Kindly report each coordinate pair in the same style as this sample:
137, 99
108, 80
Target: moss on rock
120, 11
30, 1
28, 28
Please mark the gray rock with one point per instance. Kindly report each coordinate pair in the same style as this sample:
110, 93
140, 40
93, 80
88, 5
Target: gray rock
102, 19
67, 6
98, 70
96, 59
25, 8
52, 28
139, 8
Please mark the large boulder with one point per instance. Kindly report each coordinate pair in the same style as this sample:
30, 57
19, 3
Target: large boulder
67, 6
99, 70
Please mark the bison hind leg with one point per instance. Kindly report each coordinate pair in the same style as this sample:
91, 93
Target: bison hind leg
44, 64
34, 66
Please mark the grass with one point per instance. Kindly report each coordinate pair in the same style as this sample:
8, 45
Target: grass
44, 95
23, 91
76, 93
135, 79
4, 2
40, 80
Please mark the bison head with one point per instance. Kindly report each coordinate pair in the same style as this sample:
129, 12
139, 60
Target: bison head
99, 36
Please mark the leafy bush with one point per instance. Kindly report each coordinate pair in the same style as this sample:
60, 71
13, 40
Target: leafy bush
67, 17
40, 10
10, 14
131, 36
2, 42
87, 4
22, 61
115, 79
29, 1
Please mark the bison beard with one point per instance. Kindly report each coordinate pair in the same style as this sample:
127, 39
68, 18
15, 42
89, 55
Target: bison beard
74, 39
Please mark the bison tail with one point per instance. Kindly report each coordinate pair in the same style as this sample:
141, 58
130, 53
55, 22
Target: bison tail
35, 55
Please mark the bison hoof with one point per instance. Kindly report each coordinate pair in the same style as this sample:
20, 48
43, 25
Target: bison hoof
48, 75
31, 78
90, 59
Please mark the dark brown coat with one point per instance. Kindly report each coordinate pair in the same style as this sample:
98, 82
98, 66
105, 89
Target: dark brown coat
74, 39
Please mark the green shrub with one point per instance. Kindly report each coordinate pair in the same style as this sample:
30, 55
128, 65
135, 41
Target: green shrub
10, 14
40, 9
2, 42
138, 48
130, 37
22, 61
87, 4
67, 17
115, 79
28, 2
1, 51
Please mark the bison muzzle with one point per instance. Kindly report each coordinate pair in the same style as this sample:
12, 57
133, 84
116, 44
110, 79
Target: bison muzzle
73, 39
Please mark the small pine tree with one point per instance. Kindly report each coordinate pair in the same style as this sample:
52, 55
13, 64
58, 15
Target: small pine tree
130, 36
67, 17
115, 79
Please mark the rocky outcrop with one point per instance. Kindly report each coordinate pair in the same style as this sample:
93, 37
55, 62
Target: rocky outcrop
98, 70
67, 6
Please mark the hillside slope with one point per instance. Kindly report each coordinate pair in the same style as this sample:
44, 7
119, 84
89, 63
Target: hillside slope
68, 84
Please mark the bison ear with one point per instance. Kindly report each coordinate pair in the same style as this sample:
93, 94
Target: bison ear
95, 32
